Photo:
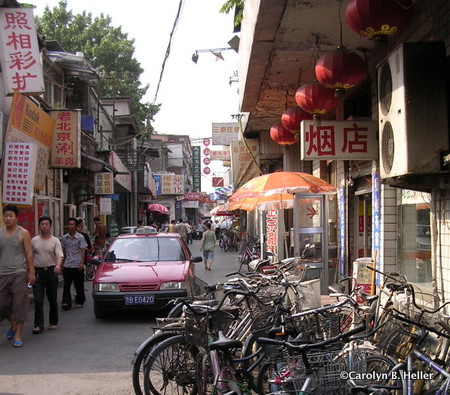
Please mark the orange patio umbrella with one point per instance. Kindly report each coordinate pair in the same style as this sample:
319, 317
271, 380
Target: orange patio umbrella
275, 190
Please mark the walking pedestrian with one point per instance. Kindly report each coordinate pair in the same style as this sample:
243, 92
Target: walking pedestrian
172, 228
99, 236
16, 272
74, 247
182, 229
48, 259
208, 244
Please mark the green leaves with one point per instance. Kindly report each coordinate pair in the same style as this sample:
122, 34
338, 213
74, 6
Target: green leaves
106, 48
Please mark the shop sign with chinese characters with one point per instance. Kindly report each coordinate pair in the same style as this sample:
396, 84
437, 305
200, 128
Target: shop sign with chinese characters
66, 151
221, 155
104, 183
225, 133
105, 206
29, 124
339, 140
272, 231
196, 168
19, 170
19, 52
172, 184
243, 158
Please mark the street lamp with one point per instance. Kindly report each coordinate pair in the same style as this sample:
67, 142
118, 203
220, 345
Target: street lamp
217, 52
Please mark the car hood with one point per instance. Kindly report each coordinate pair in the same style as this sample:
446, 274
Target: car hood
143, 272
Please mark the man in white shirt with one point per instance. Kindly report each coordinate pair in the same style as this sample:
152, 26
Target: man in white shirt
48, 259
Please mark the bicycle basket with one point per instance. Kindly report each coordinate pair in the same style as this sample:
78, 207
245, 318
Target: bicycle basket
199, 327
313, 327
327, 367
396, 338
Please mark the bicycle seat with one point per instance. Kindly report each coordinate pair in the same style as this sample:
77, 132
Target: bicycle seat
224, 343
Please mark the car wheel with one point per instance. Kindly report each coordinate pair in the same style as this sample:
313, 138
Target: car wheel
98, 311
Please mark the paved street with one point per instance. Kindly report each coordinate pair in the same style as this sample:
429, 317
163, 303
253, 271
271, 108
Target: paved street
85, 355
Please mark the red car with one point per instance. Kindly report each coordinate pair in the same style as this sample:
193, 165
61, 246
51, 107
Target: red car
142, 271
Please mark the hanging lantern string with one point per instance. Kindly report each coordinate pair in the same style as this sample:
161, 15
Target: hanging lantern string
315, 55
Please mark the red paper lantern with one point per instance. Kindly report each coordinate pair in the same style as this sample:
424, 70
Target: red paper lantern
315, 98
377, 18
340, 69
292, 117
281, 135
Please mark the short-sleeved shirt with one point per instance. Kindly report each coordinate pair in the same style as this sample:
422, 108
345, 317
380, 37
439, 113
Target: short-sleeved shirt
210, 240
46, 251
72, 247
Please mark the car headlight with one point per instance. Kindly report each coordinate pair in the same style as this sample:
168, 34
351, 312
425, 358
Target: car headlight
106, 287
173, 285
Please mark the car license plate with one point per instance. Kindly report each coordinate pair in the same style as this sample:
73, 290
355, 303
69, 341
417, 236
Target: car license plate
139, 299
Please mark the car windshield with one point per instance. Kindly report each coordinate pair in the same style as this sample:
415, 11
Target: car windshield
145, 249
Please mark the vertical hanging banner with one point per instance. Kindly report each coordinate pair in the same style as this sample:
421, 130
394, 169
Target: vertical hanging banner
376, 214
272, 231
243, 157
19, 52
29, 124
342, 230
19, 170
196, 169
66, 140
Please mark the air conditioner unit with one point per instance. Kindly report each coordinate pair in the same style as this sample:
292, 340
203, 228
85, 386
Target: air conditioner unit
412, 109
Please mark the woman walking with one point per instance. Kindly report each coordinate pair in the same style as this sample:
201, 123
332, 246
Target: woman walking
207, 244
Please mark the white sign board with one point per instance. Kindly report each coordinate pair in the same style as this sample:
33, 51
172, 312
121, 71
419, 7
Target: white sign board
339, 140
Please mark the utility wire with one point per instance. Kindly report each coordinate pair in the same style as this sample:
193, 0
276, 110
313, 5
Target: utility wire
166, 56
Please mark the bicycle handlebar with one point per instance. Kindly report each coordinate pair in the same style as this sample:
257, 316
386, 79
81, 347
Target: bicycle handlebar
310, 345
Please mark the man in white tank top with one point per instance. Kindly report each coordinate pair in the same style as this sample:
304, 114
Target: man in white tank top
16, 272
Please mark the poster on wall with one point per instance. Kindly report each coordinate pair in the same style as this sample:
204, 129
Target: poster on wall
29, 124
19, 170
342, 230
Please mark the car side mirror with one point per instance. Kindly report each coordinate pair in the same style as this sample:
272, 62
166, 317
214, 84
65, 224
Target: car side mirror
96, 260
197, 259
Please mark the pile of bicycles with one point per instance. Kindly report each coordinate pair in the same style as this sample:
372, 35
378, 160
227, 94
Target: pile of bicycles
257, 334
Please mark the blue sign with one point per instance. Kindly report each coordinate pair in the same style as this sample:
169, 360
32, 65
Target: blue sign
376, 213
157, 178
342, 230
115, 197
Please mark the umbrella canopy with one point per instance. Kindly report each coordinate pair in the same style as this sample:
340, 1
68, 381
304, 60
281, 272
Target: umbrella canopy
158, 208
221, 210
275, 190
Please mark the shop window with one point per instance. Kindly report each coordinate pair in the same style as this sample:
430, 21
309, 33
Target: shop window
415, 236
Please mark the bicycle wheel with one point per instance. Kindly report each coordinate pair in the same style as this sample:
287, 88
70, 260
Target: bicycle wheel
204, 374
141, 356
89, 272
376, 371
170, 368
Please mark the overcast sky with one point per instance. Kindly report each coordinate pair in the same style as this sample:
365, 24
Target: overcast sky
193, 96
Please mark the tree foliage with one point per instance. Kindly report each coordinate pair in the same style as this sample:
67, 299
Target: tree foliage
107, 49
238, 5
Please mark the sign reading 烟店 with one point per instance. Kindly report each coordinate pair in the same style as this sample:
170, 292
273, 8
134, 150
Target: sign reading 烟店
339, 140
19, 170
19, 52
225, 133
104, 183
29, 124
66, 151
196, 169
243, 158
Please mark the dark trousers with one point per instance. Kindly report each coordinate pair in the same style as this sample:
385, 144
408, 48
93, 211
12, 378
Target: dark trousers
76, 276
46, 283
